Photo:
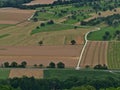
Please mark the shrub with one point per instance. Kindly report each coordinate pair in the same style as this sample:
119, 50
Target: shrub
50, 22
42, 24
40, 43
41, 65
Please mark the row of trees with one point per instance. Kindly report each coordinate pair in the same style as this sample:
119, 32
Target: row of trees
13, 3
97, 5
113, 20
15, 65
58, 65
24, 64
99, 66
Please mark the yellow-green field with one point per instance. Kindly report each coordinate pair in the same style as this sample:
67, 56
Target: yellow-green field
19, 35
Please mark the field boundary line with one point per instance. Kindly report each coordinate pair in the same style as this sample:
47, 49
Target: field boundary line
83, 49
93, 56
86, 52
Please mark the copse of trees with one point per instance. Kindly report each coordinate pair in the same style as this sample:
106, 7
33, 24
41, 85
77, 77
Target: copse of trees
115, 35
107, 36
99, 66
13, 3
58, 65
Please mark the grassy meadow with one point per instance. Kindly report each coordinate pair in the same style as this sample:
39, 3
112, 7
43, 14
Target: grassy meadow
4, 73
114, 55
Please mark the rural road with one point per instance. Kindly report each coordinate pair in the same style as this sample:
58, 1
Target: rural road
83, 49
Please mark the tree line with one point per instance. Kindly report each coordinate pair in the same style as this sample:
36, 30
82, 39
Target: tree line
97, 5
113, 20
13, 3
24, 65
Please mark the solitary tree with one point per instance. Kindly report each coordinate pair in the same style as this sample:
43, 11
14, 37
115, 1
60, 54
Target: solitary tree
14, 64
42, 24
40, 43
52, 65
41, 65
35, 65
73, 42
6, 64
50, 22
117, 32
75, 27
60, 65
35, 19
23, 64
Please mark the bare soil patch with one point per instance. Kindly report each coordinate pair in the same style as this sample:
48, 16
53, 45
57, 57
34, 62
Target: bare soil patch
14, 16
36, 73
41, 54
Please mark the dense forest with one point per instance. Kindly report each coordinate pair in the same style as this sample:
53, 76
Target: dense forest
12, 3
71, 83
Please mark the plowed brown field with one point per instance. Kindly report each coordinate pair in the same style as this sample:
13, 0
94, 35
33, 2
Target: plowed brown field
14, 16
41, 54
95, 53
36, 73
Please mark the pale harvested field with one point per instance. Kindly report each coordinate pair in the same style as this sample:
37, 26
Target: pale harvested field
20, 36
41, 55
14, 16
40, 2
36, 73
95, 53
103, 14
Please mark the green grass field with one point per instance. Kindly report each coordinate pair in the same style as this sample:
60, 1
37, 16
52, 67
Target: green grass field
54, 27
114, 55
4, 35
65, 73
4, 26
66, 14
98, 35
4, 73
